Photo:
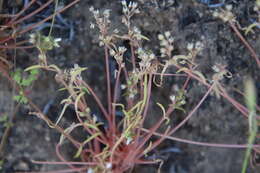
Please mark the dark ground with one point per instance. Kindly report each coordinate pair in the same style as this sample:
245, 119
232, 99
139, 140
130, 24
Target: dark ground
216, 121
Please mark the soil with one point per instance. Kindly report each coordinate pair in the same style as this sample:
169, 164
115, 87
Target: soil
216, 121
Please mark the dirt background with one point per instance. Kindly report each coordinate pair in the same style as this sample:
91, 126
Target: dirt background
216, 121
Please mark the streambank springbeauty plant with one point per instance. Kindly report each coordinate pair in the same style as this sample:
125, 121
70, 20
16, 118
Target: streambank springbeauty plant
117, 139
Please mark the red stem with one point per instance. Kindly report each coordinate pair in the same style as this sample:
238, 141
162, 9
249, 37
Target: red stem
253, 53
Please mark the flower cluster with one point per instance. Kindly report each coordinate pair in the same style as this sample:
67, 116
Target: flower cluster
225, 15
102, 22
118, 53
146, 58
129, 10
166, 43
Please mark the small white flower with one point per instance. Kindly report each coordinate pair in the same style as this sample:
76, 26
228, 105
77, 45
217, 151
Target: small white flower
123, 86
215, 14
112, 52
123, 2
229, 7
134, 5
91, 9
160, 37
129, 140
106, 13
122, 49
32, 38
172, 98
216, 69
167, 34
92, 25
152, 56
56, 42
190, 46
199, 45
108, 165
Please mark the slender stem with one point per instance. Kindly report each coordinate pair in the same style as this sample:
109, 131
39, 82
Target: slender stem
251, 50
193, 111
109, 103
53, 18
183, 121
116, 90
237, 105
239, 146
147, 99
97, 100
133, 56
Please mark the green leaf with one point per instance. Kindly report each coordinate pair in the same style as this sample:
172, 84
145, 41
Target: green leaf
34, 72
24, 100
3, 118
17, 76
17, 98
26, 82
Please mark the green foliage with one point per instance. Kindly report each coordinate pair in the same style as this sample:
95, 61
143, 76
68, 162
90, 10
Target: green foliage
4, 119
19, 77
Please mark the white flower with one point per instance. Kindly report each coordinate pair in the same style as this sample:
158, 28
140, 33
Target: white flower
122, 49
91, 9
129, 140
190, 46
32, 38
167, 34
172, 98
106, 13
123, 2
160, 37
123, 86
92, 25
108, 165
56, 42
112, 52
